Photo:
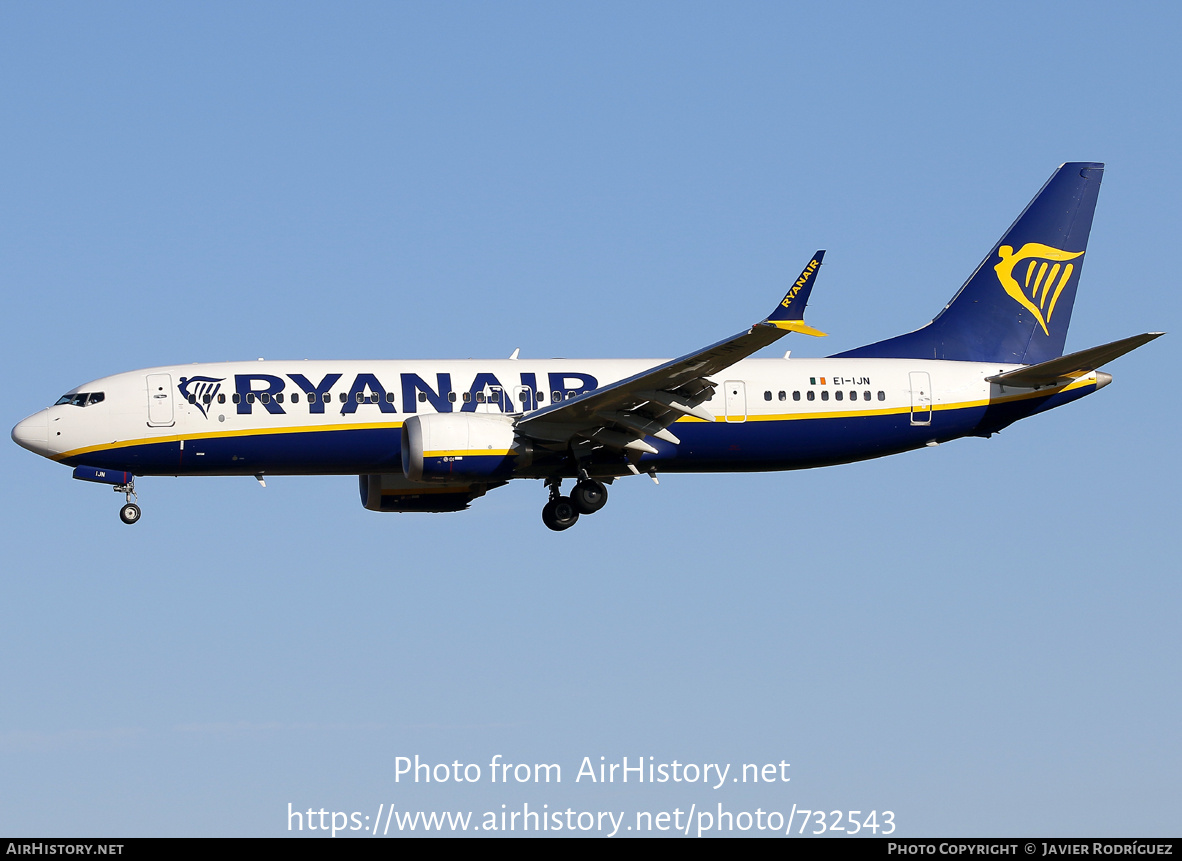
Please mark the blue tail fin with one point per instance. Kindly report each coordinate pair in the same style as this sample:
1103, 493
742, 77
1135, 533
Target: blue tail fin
1015, 308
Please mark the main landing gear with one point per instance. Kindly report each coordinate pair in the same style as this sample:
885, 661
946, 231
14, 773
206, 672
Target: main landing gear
130, 512
562, 512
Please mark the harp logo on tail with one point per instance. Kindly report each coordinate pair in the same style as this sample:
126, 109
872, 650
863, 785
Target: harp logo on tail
1042, 271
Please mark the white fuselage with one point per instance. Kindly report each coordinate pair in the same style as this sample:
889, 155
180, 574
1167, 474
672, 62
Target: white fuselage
307, 417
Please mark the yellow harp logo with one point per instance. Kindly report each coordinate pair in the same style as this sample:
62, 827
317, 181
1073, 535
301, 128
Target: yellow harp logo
1043, 277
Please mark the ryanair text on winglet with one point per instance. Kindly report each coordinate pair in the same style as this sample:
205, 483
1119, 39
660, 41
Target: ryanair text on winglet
800, 282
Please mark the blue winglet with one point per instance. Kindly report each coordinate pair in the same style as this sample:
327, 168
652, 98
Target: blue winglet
789, 314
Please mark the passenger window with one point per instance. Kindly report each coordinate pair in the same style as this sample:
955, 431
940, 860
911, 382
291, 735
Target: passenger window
205, 399
237, 398
295, 397
812, 395
344, 397
327, 397
838, 394
451, 396
865, 396
853, 396
467, 397
422, 397
882, 395
824, 394
360, 398
796, 395
265, 397
480, 397
783, 396
556, 396
390, 397
222, 399
767, 396
250, 397
192, 399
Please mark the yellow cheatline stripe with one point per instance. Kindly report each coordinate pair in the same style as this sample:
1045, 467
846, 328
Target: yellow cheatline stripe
152, 440
475, 452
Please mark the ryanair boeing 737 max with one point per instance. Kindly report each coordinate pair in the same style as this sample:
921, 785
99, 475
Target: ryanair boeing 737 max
433, 436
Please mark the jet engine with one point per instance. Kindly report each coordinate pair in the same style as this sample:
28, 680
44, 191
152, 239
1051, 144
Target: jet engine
462, 447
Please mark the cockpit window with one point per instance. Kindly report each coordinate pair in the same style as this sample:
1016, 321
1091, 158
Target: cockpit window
80, 399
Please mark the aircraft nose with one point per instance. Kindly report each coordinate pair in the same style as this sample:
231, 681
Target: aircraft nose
33, 433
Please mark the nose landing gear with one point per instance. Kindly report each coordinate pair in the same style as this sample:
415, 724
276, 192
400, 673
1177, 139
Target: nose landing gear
130, 512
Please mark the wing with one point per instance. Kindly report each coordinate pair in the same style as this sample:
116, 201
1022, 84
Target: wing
622, 414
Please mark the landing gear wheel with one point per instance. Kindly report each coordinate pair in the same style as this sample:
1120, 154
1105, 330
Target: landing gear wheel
130, 513
559, 514
589, 496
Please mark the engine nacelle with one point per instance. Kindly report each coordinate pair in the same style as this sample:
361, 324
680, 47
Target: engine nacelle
397, 493
461, 447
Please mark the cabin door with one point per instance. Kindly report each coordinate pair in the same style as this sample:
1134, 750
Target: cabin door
736, 401
160, 400
921, 398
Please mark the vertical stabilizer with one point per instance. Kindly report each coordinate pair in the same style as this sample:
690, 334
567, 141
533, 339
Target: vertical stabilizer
1016, 306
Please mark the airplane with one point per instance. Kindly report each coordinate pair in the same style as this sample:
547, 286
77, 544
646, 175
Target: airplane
432, 436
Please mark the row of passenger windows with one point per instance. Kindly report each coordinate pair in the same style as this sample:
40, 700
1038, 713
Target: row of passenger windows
326, 397
838, 395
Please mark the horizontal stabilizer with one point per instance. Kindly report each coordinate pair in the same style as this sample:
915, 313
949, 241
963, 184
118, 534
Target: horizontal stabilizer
1067, 368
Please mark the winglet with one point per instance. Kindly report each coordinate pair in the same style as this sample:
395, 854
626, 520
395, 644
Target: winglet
789, 314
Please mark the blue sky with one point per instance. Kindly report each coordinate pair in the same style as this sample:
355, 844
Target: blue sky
981, 638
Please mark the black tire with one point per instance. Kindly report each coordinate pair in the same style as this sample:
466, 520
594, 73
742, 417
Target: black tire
130, 513
589, 496
559, 514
